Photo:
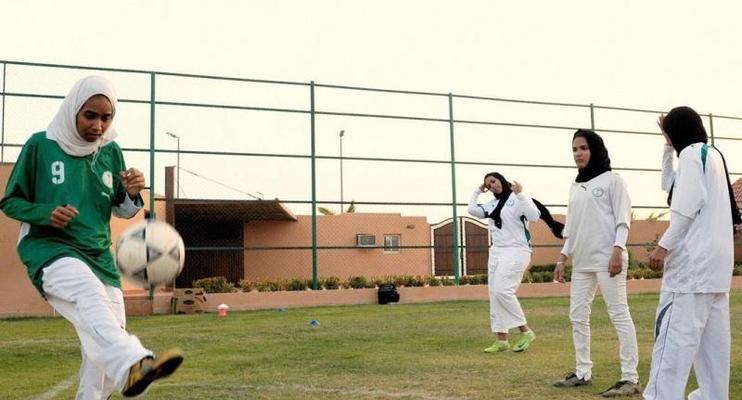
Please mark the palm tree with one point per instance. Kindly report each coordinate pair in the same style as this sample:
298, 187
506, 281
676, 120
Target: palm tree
327, 211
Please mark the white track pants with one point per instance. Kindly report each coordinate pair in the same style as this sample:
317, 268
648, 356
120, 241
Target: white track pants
583, 288
504, 273
691, 329
97, 312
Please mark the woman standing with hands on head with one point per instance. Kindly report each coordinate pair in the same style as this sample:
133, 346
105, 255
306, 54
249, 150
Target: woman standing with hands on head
509, 214
597, 227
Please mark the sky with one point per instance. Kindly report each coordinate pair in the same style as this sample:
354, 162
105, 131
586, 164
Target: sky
636, 54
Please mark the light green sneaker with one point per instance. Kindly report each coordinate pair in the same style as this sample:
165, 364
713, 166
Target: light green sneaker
525, 340
498, 347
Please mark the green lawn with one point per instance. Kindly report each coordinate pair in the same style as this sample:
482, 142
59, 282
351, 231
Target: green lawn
420, 351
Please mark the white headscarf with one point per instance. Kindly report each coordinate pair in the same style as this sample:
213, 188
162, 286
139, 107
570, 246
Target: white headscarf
63, 128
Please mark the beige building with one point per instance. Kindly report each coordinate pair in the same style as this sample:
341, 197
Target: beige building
342, 241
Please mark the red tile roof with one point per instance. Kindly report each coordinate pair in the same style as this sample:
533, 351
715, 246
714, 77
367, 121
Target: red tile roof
737, 186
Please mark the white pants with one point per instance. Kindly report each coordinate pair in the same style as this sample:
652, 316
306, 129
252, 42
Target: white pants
583, 288
691, 329
504, 273
97, 312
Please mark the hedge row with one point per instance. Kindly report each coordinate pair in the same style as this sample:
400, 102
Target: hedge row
536, 274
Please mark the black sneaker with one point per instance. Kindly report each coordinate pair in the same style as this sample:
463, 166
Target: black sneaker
571, 380
623, 388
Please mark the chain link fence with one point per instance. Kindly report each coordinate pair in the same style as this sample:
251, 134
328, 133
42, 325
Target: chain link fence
274, 180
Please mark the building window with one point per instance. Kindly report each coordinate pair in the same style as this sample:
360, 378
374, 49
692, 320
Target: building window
392, 243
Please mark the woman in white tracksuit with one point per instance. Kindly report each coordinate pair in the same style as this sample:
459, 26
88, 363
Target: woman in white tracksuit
597, 227
509, 214
692, 324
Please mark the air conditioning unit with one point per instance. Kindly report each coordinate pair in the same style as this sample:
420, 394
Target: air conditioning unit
365, 240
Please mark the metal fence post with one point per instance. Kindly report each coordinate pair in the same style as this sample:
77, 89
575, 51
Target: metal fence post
315, 280
152, 146
454, 220
592, 116
711, 127
2, 124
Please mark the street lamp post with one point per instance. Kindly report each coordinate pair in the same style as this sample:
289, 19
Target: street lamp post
342, 133
177, 163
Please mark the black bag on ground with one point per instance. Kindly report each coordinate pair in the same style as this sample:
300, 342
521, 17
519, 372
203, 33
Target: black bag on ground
388, 294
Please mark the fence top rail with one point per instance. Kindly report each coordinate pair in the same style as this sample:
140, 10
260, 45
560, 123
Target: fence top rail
162, 73
343, 87
535, 102
612, 108
727, 117
365, 115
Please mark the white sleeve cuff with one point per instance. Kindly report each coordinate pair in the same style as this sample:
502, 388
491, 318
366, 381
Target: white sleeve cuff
622, 235
565, 248
475, 209
128, 208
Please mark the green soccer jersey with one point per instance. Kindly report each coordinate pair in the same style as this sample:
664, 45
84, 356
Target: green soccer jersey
45, 177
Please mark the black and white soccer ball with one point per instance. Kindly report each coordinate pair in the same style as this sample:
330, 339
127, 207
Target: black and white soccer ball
150, 253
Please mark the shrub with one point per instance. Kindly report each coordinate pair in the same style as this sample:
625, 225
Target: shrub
378, 281
417, 281
446, 281
271, 286
403, 280
478, 279
247, 285
215, 284
263, 287
330, 283
357, 282
653, 274
433, 281
542, 268
537, 277
297, 285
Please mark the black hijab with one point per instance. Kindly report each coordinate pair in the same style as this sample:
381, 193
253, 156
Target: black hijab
599, 161
556, 227
684, 127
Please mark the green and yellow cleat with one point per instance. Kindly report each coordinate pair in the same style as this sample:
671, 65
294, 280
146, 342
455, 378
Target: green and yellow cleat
524, 342
498, 347
149, 369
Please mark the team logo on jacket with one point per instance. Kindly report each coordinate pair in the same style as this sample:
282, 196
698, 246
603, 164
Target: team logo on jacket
107, 178
598, 192
510, 202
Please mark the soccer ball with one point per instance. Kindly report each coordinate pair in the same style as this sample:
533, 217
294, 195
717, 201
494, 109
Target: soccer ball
150, 253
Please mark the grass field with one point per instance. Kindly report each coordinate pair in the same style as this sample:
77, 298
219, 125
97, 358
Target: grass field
416, 351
